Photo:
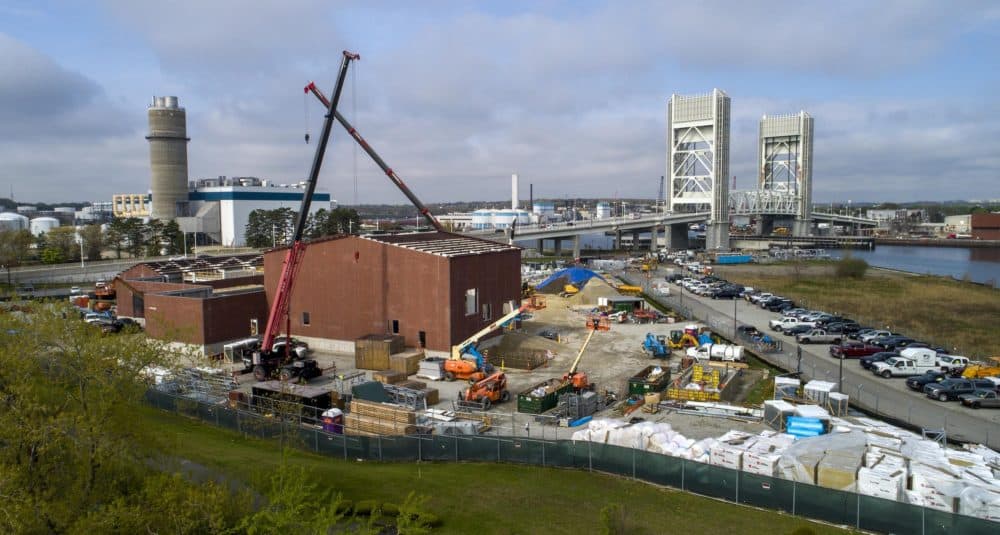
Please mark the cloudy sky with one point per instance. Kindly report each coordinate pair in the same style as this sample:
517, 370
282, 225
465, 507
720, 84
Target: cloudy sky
458, 95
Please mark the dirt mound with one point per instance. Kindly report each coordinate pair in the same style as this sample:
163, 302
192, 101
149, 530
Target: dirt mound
593, 290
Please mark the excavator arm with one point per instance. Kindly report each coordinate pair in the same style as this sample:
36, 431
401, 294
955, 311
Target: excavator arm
424, 211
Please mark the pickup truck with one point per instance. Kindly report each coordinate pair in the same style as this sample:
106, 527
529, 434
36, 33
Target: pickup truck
981, 398
951, 389
952, 363
722, 352
901, 367
855, 350
818, 336
786, 322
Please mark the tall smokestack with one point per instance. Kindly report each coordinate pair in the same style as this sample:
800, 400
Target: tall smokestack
513, 191
167, 156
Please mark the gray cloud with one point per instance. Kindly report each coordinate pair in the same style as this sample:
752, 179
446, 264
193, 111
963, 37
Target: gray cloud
573, 98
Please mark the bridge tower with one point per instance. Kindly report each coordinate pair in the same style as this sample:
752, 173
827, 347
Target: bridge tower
785, 151
698, 161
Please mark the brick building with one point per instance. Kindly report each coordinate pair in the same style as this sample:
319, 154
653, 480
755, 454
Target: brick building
203, 302
434, 288
985, 226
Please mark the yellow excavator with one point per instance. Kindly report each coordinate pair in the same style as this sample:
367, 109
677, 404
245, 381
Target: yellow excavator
681, 340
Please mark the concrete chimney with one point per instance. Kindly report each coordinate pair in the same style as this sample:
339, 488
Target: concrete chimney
513, 191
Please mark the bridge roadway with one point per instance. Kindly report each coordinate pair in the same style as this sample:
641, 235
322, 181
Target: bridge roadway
890, 399
571, 229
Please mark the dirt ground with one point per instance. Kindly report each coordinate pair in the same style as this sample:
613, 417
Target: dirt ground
609, 360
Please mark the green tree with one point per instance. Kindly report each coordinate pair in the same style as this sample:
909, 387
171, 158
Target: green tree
173, 237
93, 241
14, 246
115, 235
330, 223
269, 228
135, 236
65, 240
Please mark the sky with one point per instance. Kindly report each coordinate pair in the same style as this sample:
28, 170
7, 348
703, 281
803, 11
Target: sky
456, 96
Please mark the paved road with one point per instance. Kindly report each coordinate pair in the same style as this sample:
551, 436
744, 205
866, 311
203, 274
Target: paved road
889, 398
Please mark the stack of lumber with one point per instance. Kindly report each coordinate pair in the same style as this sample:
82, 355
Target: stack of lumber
369, 418
406, 362
372, 352
389, 377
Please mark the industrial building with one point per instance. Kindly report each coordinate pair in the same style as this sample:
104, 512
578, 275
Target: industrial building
201, 302
434, 288
985, 226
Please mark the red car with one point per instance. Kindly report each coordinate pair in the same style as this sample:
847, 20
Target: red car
853, 350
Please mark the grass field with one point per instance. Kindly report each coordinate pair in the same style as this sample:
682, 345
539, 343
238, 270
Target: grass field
945, 312
471, 497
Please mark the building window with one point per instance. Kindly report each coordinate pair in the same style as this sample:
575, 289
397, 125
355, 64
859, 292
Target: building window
487, 311
422, 337
470, 302
305, 318
395, 326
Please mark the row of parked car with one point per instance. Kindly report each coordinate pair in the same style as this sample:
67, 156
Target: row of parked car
108, 323
929, 369
710, 286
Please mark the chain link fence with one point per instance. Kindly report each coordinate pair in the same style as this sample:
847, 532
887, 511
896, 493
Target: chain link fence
838, 507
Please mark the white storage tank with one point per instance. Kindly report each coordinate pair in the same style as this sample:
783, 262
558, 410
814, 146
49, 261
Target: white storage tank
12, 221
64, 210
503, 219
41, 225
545, 210
603, 210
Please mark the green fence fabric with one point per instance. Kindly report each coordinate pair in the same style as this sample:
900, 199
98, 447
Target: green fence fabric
839, 507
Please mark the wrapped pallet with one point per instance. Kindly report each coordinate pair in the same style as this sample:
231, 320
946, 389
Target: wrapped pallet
727, 455
819, 391
882, 481
839, 470
406, 362
372, 352
431, 368
980, 502
936, 488
775, 412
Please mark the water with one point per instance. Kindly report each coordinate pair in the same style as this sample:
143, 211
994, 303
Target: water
980, 265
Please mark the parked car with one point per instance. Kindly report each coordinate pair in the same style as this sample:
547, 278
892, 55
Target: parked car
779, 305
783, 322
870, 360
895, 343
818, 336
859, 333
757, 298
919, 382
798, 329
876, 333
951, 363
950, 389
853, 350
981, 398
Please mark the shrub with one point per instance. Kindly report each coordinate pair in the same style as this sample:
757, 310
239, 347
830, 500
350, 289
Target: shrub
853, 268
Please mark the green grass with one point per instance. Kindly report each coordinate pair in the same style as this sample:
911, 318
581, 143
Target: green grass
939, 310
472, 497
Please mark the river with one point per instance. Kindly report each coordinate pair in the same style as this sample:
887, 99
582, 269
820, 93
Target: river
980, 265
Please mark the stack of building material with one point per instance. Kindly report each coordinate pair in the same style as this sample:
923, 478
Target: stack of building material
839, 469
368, 418
837, 403
980, 502
934, 487
389, 377
819, 391
883, 479
800, 461
406, 362
729, 449
372, 352
786, 387
775, 413
431, 368
809, 420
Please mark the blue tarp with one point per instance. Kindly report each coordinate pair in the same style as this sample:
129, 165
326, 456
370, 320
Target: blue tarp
575, 275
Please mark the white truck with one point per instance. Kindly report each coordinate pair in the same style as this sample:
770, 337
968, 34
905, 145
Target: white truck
788, 322
911, 361
724, 352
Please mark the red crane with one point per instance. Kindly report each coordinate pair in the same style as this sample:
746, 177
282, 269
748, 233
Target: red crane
378, 160
268, 359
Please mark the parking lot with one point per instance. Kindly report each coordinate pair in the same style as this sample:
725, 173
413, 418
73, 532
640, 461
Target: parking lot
889, 398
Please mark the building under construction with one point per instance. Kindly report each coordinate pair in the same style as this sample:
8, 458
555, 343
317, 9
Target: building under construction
434, 288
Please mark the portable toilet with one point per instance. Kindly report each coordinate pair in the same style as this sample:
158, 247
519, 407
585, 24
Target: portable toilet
333, 421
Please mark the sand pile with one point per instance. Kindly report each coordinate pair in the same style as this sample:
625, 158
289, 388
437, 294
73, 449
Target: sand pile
594, 289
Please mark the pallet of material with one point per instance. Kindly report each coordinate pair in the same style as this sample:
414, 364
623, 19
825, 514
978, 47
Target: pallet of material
431, 368
389, 377
383, 411
412, 385
372, 352
433, 396
520, 360
377, 426
406, 362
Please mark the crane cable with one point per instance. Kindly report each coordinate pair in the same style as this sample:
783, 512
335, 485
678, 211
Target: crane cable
305, 112
354, 115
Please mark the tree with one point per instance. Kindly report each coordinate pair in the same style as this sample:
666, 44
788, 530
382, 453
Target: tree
135, 235
153, 236
173, 237
269, 228
93, 241
115, 235
330, 223
14, 246
63, 240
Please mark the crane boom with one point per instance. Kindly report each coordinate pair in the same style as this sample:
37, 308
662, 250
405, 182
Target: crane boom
424, 211
457, 350
582, 349
282, 297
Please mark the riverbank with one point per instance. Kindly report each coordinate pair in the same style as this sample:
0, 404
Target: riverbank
945, 312
940, 242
